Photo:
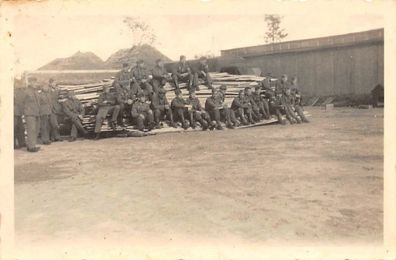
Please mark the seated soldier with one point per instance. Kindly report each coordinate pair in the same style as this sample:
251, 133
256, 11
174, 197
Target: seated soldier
161, 108
213, 104
242, 108
140, 78
142, 114
296, 100
124, 100
227, 115
107, 104
196, 112
183, 73
261, 102
256, 116
202, 72
178, 106
282, 90
160, 76
74, 110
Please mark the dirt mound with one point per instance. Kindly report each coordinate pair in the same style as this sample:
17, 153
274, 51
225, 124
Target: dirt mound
78, 61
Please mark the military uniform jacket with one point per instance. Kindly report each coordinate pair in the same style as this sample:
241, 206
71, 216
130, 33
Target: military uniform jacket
139, 73
203, 67
159, 72
72, 106
213, 103
250, 100
56, 106
45, 103
195, 103
123, 78
178, 102
31, 102
238, 103
183, 68
18, 101
257, 98
123, 95
111, 99
159, 102
139, 107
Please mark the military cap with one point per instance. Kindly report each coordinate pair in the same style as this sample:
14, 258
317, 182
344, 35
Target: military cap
51, 80
223, 87
182, 57
202, 58
241, 91
247, 88
158, 61
124, 65
257, 87
162, 90
178, 91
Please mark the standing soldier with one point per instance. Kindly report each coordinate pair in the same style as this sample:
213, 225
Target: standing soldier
202, 73
19, 128
123, 77
242, 108
73, 109
196, 112
107, 105
183, 73
178, 105
161, 108
142, 114
261, 102
56, 111
45, 100
141, 79
31, 111
160, 75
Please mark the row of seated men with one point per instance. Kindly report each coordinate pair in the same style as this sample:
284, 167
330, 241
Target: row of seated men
40, 106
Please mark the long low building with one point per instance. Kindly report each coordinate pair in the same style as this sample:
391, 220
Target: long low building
335, 65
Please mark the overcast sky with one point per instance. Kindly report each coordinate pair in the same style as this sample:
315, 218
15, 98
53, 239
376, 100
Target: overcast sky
39, 38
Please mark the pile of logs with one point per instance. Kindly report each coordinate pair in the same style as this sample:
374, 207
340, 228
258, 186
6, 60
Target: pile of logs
88, 93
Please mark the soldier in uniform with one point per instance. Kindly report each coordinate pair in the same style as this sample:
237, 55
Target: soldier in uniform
261, 103
227, 115
282, 89
142, 114
202, 73
73, 109
242, 108
196, 112
31, 112
45, 100
178, 106
19, 128
161, 108
160, 76
141, 79
56, 111
123, 77
296, 100
124, 100
183, 73
256, 116
107, 104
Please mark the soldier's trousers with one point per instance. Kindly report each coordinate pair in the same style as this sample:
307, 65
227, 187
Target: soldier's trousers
19, 132
144, 118
54, 126
300, 113
228, 116
178, 114
200, 116
207, 79
124, 110
264, 109
102, 114
45, 128
160, 113
215, 116
189, 79
241, 113
76, 126
32, 130
157, 84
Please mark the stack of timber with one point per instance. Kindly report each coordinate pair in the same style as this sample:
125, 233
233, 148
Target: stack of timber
88, 94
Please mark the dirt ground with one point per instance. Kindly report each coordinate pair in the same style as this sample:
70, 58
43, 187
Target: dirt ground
313, 183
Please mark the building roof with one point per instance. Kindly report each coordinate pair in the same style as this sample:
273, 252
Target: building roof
335, 41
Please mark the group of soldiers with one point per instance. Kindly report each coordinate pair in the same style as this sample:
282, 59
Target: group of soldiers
138, 97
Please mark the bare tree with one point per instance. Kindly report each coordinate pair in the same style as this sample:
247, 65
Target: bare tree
274, 32
142, 33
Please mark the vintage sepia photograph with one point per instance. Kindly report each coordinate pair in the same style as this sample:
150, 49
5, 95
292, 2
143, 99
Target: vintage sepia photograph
215, 128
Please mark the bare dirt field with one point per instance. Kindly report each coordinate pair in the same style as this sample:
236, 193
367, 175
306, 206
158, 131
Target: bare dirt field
313, 183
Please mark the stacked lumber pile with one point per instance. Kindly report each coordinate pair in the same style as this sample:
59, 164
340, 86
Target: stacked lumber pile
88, 93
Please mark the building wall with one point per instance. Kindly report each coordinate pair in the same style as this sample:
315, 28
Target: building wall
345, 70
